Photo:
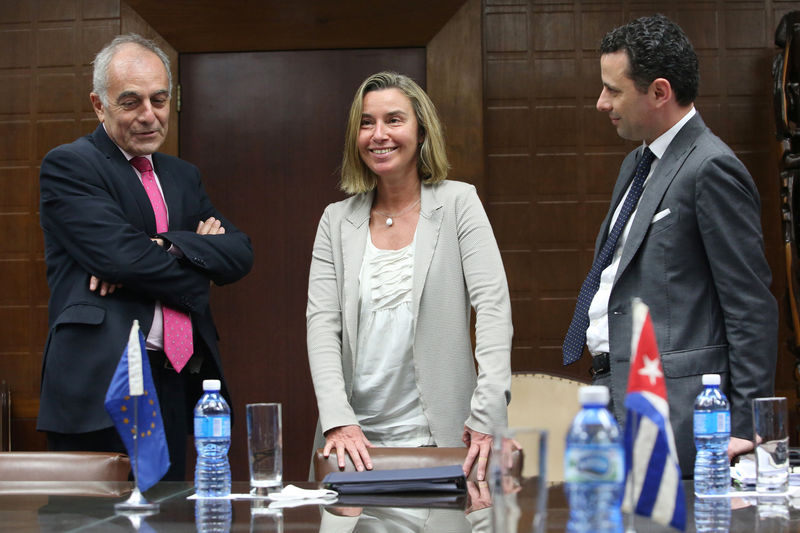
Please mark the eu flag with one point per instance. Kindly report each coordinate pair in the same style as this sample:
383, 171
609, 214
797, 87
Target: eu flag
132, 403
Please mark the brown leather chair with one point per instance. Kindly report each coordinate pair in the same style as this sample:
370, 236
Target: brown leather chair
64, 466
396, 458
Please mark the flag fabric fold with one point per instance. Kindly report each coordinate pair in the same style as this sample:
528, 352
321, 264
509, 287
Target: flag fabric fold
132, 403
653, 486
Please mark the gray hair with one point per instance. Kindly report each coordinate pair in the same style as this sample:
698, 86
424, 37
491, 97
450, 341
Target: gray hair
103, 59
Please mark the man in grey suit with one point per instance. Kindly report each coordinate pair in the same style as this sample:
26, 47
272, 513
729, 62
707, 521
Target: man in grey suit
691, 247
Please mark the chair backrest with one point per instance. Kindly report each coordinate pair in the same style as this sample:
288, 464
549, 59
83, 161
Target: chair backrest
547, 401
64, 466
396, 458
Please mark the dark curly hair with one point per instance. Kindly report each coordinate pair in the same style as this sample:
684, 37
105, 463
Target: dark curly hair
657, 48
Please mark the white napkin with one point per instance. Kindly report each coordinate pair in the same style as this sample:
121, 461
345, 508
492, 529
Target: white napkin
294, 493
289, 496
292, 496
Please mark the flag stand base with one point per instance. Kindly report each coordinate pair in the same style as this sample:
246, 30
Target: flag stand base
136, 503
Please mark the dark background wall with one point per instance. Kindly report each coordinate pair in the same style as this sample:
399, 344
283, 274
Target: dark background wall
515, 83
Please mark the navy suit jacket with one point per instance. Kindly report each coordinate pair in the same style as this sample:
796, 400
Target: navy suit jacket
695, 256
97, 220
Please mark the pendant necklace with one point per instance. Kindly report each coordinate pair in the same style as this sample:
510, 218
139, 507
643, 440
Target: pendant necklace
390, 218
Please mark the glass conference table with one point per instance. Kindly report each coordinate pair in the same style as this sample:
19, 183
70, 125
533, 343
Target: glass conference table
46, 506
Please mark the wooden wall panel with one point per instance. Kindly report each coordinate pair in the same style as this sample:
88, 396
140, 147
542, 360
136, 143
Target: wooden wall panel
552, 158
46, 47
455, 84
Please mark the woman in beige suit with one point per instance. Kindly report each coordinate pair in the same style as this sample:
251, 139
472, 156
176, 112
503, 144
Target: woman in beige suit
394, 271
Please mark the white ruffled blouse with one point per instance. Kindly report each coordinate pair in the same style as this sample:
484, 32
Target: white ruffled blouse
385, 395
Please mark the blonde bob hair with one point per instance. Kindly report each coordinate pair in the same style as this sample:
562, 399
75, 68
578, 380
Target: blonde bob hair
432, 164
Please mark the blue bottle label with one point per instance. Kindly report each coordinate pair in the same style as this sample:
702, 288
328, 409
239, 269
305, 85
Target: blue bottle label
592, 463
713, 422
212, 426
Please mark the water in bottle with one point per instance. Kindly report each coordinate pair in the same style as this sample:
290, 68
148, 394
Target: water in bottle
212, 438
712, 432
594, 466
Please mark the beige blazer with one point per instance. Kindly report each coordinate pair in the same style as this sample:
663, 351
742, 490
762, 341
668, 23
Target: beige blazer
456, 263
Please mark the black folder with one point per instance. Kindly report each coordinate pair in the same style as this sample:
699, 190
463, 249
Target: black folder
434, 479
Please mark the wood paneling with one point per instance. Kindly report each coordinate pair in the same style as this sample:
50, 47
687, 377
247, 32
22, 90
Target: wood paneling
262, 25
268, 142
455, 84
552, 158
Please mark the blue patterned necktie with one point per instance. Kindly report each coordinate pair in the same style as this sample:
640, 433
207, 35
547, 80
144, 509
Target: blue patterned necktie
576, 334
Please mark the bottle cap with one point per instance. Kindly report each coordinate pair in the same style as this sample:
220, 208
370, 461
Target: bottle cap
711, 379
211, 384
593, 394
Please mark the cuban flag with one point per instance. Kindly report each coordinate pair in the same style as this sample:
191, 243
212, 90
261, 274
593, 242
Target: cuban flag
132, 404
653, 485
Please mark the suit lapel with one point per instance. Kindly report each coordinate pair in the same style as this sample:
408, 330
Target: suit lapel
430, 221
668, 167
354, 231
127, 180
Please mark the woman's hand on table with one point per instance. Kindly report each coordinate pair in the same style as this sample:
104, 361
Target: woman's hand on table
348, 439
480, 446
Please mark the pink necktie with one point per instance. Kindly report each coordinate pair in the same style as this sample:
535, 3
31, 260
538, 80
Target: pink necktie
177, 325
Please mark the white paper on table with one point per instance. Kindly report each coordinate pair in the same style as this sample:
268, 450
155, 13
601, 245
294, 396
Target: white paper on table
289, 496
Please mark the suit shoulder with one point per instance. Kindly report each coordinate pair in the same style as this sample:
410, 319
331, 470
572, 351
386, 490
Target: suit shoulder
447, 190
82, 146
709, 141
348, 204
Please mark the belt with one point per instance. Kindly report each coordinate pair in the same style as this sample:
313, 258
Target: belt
600, 364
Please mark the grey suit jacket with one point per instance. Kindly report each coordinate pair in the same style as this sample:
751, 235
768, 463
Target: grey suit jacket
695, 256
456, 263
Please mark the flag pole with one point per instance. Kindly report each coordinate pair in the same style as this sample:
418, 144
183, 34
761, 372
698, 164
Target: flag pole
136, 503
631, 528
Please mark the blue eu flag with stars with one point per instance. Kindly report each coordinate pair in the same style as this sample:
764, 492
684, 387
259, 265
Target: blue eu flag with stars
132, 403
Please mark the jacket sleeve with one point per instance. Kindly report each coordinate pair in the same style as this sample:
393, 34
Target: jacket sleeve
83, 211
728, 215
221, 258
324, 331
488, 291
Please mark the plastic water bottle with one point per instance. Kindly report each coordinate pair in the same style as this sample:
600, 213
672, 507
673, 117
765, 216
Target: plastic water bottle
212, 438
594, 466
712, 432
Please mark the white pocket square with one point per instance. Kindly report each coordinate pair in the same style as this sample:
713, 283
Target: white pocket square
661, 214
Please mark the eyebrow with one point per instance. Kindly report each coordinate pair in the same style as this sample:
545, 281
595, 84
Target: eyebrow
125, 94
390, 113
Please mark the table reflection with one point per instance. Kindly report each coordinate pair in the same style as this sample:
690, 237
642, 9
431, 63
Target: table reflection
476, 511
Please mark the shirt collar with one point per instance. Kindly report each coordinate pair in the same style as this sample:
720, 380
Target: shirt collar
660, 145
